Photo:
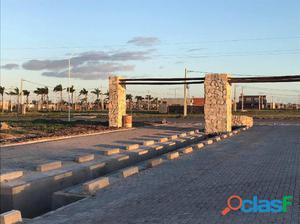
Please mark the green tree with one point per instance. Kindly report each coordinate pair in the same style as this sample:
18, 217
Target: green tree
84, 93
71, 90
139, 100
97, 92
59, 89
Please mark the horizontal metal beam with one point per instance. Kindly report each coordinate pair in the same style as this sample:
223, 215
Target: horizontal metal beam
295, 78
160, 83
164, 79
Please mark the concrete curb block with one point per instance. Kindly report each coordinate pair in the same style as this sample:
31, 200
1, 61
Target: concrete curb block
109, 152
155, 162
191, 132
208, 142
163, 140
173, 137
148, 143
49, 166
132, 147
84, 158
224, 136
11, 175
172, 155
96, 184
11, 217
217, 139
199, 146
186, 150
129, 171
182, 135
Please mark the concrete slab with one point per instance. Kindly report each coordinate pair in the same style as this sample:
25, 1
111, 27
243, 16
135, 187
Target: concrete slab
173, 137
163, 140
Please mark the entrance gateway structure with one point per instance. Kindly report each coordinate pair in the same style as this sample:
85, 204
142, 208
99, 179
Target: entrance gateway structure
217, 108
217, 93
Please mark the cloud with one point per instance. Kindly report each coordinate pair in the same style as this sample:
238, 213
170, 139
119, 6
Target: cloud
179, 62
144, 41
10, 66
91, 71
196, 49
87, 57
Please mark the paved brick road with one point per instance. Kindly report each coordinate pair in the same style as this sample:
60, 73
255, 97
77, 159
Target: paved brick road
264, 161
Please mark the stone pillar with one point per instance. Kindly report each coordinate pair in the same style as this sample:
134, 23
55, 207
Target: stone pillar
117, 102
217, 107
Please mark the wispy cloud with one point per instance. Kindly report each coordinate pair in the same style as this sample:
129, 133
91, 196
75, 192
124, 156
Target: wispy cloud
196, 49
144, 41
85, 57
93, 71
10, 66
90, 65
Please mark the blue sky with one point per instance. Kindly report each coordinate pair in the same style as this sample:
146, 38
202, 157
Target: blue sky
149, 38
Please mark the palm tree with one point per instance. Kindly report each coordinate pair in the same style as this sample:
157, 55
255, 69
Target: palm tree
43, 92
129, 98
84, 92
71, 90
26, 93
155, 100
148, 98
2, 88
56, 89
139, 99
97, 92
16, 92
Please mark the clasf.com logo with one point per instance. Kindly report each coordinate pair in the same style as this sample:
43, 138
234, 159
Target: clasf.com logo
254, 205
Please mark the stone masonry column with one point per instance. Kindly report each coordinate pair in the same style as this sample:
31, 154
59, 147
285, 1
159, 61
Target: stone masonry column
117, 102
217, 107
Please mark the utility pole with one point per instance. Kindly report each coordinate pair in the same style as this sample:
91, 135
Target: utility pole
69, 97
259, 103
185, 94
242, 98
21, 108
234, 98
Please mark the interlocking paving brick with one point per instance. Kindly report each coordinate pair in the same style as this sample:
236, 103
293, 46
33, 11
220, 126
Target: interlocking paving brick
263, 161
11, 217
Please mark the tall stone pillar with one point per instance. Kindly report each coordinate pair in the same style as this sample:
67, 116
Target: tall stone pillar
117, 102
217, 107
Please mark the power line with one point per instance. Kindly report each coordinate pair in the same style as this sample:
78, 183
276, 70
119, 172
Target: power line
162, 43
